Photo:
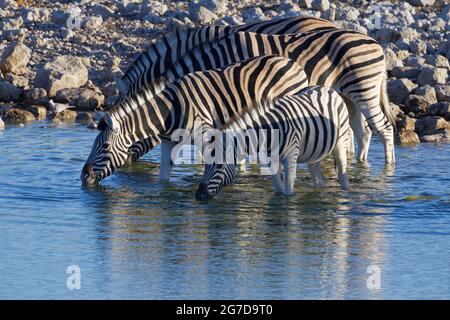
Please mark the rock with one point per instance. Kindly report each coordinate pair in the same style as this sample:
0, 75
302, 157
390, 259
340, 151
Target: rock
15, 58
82, 98
216, 6
441, 109
61, 73
430, 125
431, 75
399, 90
18, 81
421, 3
202, 14
391, 60
35, 96
432, 138
405, 72
92, 23
406, 123
408, 137
9, 92
84, 117
418, 46
17, 116
442, 92
321, 5
306, 4
437, 61
40, 112
387, 35
417, 103
103, 11
253, 15
65, 115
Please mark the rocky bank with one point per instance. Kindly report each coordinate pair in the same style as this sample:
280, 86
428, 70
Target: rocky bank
70, 52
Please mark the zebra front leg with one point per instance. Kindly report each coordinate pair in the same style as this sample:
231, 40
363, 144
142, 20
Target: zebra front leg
340, 159
278, 181
351, 144
362, 134
166, 159
290, 172
317, 174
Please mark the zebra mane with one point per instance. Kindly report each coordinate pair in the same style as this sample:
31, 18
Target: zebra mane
157, 53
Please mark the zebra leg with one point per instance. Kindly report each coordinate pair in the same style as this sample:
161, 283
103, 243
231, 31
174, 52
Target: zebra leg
317, 174
362, 133
278, 181
351, 144
290, 172
166, 159
340, 159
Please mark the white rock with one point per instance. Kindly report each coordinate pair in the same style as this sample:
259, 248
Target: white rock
321, 5
15, 58
431, 75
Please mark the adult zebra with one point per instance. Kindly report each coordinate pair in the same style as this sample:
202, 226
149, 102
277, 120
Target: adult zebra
306, 128
146, 75
348, 61
213, 97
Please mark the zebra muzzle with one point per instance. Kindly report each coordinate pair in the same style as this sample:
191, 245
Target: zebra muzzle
202, 193
88, 175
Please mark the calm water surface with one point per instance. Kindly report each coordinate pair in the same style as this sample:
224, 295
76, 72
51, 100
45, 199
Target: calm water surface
133, 237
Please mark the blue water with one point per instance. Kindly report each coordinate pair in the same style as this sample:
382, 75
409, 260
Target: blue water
133, 237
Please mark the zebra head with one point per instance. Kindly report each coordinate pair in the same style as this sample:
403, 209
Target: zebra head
109, 152
215, 177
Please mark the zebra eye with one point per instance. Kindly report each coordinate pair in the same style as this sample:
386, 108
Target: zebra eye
220, 166
105, 145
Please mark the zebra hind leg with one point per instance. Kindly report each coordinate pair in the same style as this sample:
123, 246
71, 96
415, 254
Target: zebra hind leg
317, 174
290, 173
340, 159
362, 134
166, 160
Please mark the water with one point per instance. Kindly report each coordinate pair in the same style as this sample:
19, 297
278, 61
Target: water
133, 237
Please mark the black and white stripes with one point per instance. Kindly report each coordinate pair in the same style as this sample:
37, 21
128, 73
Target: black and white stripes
309, 127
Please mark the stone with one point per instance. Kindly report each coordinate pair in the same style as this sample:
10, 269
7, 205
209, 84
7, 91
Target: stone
441, 109
418, 46
408, 137
387, 35
9, 92
35, 96
202, 14
442, 92
417, 103
437, 61
82, 98
321, 5
391, 60
406, 123
18, 81
409, 34
421, 3
306, 4
61, 73
17, 116
216, 6
405, 72
431, 75
65, 115
92, 23
435, 138
40, 112
84, 117
399, 90
430, 125
253, 15
103, 11
15, 58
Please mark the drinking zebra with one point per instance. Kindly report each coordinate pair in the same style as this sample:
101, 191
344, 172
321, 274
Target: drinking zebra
146, 74
212, 97
348, 61
310, 125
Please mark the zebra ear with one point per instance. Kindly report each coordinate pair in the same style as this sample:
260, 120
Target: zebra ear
111, 122
121, 86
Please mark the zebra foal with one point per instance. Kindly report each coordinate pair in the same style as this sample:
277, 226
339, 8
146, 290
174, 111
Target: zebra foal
310, 126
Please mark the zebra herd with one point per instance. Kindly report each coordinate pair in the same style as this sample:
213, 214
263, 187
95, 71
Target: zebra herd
272, 75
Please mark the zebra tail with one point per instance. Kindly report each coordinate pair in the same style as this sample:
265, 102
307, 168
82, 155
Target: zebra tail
385, 105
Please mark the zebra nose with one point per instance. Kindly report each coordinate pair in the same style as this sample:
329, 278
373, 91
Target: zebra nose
202, 193
88, 174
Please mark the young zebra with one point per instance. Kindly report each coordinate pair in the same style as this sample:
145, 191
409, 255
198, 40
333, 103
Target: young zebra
345, 60
146, 75
311, 125
212, 97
